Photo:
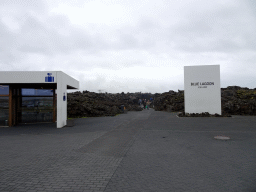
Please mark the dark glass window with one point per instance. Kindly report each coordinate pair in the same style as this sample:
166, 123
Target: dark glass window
4, 89
47, 92
37, 92
28, 92
4, 111
37, 109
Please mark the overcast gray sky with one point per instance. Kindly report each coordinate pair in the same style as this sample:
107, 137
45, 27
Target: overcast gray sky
130, 45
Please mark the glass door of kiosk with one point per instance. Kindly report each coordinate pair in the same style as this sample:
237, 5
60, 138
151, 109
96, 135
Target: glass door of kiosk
37, 105
4, 105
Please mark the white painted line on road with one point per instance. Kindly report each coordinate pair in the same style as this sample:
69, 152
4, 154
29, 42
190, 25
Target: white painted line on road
203, 131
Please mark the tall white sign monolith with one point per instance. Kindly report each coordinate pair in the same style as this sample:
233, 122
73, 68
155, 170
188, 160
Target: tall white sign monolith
202, 89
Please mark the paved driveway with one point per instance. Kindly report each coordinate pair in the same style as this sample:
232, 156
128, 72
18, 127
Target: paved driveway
138, 151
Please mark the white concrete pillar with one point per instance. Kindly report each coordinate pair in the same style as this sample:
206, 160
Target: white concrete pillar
61, 100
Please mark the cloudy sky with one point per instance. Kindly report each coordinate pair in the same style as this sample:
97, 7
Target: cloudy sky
130, 45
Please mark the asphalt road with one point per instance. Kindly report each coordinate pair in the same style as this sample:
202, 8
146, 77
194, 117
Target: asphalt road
138, 151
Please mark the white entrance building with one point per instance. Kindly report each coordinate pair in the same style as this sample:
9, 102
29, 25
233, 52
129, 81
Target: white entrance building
30, 96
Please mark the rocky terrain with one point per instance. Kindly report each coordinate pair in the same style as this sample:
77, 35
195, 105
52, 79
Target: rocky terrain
169, 101
234, 101
90, 104
238, 101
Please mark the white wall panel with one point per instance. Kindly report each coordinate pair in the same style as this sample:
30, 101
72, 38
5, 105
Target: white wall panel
26, 76
202, 89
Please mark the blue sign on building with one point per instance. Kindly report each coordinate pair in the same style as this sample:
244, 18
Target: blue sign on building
64, 97
49, 78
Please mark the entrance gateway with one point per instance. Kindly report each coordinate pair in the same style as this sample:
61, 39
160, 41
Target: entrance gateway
34, 96
202, 89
